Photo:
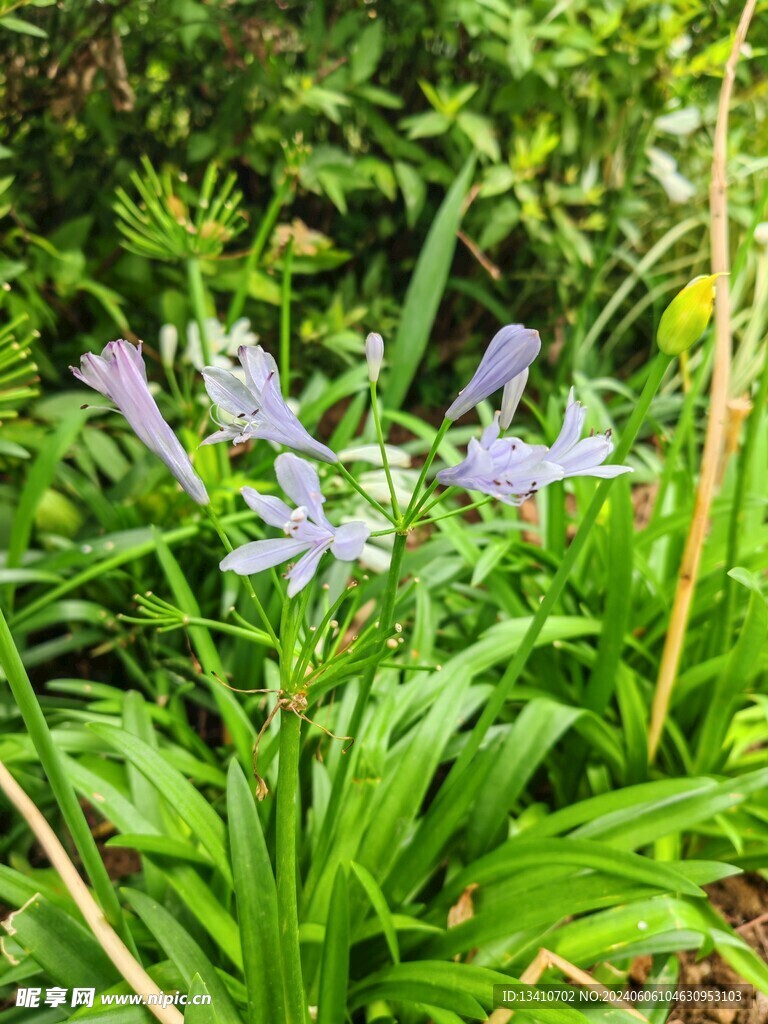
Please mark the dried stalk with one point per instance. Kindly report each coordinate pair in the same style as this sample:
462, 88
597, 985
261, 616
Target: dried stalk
716, 426
108, 939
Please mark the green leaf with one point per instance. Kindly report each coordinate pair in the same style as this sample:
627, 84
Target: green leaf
39, 479
534, 733
256, 901
198, 1012
618, 602
334, 969
189, 804
161, 846
24, 27
64, 948
379, 904
425, 290
742, 664
366, 52
182, 949
479, 131
413, 188
241, 729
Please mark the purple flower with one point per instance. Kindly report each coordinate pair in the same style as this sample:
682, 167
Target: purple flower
119, 374
503, 467
582, 457
510, 352
511, 470
257, 406
307, 530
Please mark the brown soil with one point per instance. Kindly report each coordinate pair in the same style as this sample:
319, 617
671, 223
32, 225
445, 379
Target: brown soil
743, 902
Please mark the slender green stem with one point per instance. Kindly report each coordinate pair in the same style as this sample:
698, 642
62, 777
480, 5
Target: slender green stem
420, 510
361, 491
285, 323
216, 523
383, 449
684, 430
197, 295
412, 508
386, 619
455, 512
257, 247
287, 893
63, 791
506, 683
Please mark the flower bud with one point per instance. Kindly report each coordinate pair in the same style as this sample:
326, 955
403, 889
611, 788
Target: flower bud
687, 316
169, 342
374, 354
761, 233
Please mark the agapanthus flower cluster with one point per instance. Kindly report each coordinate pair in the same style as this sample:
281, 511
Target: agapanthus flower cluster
509, 469
249, 404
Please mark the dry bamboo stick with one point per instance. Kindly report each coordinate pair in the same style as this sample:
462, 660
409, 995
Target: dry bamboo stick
108, 939
713, 444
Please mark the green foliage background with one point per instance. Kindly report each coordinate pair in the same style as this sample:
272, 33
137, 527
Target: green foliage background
372, 131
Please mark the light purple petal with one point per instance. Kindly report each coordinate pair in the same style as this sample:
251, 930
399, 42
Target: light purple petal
304, 570
226, 391
603, 472
281, 425
230, 433
299, 479
513, 392
261, 554
573, 425
350, 540
585, 455
271, 509
259, 366
120, 374
510, 352
491, 433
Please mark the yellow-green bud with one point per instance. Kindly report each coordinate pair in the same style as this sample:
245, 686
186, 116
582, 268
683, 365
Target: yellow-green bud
687, 316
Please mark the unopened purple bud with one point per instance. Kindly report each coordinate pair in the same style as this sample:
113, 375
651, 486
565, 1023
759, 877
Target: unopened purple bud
374, 354
511, 351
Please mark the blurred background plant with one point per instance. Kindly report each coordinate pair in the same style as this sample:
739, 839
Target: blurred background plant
206, 175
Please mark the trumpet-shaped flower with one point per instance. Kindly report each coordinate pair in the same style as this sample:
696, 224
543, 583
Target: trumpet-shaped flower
119, 374
511, 351
307, 530
512, 471
257, 407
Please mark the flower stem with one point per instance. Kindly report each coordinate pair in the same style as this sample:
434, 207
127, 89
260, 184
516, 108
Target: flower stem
382, 447
287, 895
361, 491
386, 618
455, 512
415, 500
285, 322
257, 247
197, 294
216, 523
